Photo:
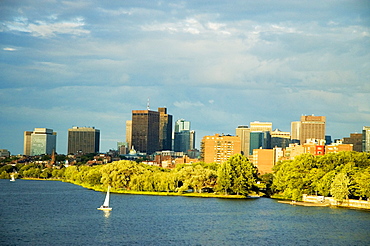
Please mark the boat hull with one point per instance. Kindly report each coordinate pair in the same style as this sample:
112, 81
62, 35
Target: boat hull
105, 209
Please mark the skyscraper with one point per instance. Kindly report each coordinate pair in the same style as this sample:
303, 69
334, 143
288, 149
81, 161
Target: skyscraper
182, 125
295, 126
184, 138
151, 131
257, 126
27, 143
244, 133
355, 139
129, 133
280, 139
42, 141
366, 139
145, 131
165, 129
83, 140
312, 127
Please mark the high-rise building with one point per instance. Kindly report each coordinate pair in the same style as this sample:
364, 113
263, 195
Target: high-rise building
42, 141
83, 140
366, 139
192, 139
151, 131
219, 148
280, 139
244, 133
27, 143
165, 129
264, 160
129, 133
257, 126
256, 141
145, 131
184, 138
182, 125
295, 126
312, 127
356, 140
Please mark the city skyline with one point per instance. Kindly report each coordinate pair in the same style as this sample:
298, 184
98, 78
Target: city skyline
216, 64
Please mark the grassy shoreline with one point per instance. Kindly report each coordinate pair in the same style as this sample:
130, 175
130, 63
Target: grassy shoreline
148, 193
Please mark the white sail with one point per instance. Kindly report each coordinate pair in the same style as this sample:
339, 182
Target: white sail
12, 179
105, 205
106, 201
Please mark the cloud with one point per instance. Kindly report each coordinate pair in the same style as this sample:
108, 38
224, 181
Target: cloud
192, 25
187, 104
9, 49
49, 28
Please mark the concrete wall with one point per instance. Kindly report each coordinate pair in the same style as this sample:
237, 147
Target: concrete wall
331, 201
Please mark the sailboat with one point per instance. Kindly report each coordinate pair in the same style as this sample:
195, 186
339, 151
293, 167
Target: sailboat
105, 205
12, 179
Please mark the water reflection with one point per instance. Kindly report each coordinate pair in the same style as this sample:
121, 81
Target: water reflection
106, 214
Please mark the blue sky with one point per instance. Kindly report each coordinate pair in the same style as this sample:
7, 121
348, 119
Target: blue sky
218, 64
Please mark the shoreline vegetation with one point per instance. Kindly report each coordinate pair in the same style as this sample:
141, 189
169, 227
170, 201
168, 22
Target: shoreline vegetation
154, 193
339, 178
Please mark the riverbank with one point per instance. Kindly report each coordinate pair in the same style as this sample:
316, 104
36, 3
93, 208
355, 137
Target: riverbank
164, 193
320, 201
307, 204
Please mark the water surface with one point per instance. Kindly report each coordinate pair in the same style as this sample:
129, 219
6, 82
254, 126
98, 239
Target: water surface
56, 213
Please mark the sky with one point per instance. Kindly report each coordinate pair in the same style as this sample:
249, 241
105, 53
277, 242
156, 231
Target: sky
215, 63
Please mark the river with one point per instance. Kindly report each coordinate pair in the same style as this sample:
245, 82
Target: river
55, 213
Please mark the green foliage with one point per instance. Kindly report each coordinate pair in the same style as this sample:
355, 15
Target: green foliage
339, 187
308, 174
237, 175
4, 175
7, 168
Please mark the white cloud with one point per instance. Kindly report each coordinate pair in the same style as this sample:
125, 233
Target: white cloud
187, 104
9, 49
48, 29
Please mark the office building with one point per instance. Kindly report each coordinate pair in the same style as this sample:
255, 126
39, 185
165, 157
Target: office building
129, 133
151, 131
295, 126
219, 148
42, 141
264, 160
243, 132
165, 129
338, 147
27, 143
259, 140
366, 139
280, 139
145, 131
312, 127
122, 148
184, 138
83, 140
4, 153
257, 126
356, 140
182, 125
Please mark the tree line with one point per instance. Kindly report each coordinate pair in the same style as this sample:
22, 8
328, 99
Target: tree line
341, 175
235, 176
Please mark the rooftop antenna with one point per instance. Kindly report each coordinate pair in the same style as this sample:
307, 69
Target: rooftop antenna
147, 106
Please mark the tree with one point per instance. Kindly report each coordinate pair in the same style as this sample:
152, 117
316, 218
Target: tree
361, 183
339, 188
224, 177
237, 175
